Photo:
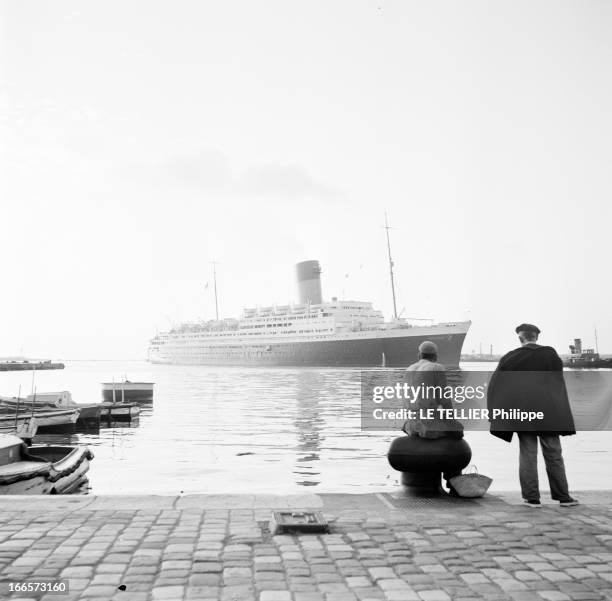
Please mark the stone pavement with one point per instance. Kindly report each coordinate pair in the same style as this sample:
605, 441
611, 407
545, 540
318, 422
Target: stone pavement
381, 546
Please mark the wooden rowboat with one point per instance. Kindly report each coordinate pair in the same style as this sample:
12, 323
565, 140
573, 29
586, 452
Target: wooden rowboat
48, 418
41, 470
54, 401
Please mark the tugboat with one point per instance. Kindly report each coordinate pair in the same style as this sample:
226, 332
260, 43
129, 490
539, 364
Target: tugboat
49, 419
585, 358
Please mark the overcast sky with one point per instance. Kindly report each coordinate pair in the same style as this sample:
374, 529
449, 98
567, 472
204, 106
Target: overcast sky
142, 140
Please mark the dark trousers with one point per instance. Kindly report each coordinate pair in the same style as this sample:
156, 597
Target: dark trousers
528, 466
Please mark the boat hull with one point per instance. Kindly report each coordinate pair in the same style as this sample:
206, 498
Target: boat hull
120, 411
596, 364
63, 472
367, 351
89, 418
48, 419
50, 422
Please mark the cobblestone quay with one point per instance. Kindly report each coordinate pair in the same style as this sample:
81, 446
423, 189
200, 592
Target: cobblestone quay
381, 546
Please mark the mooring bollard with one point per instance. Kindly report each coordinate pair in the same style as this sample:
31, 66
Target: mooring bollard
422, 461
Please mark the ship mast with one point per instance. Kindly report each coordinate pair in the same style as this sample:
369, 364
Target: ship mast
387, 228
214, 264
596, 342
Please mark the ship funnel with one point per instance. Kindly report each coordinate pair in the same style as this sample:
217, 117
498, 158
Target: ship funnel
578, 345
309, 282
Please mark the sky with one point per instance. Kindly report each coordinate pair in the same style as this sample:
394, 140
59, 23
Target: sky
142, 140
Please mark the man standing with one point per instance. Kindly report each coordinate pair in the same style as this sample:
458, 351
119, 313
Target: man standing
539, 387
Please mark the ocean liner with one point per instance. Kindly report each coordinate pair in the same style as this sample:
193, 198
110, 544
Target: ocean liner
314, 333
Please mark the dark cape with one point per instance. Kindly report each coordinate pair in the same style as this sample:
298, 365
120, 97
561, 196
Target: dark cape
530, 378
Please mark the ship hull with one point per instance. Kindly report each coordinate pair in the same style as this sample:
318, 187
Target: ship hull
596, 364
369, 351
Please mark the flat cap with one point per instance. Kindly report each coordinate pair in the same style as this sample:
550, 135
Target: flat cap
428, 347
527, 327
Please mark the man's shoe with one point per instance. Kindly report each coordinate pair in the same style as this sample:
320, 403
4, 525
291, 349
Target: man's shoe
535, 503
569, 502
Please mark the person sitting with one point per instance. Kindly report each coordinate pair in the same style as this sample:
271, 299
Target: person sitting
430, 377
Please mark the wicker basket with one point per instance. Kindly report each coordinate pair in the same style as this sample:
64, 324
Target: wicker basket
471, 485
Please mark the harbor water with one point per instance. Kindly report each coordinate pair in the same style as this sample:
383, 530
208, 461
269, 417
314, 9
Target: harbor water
260, 430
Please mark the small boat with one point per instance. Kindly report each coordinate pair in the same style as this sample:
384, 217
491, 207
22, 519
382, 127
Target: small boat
56, 420
49, 419
126, 391
41, 470
88, 413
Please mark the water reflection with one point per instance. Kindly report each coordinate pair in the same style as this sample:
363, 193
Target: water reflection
237, 430
308, 424
106, 432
